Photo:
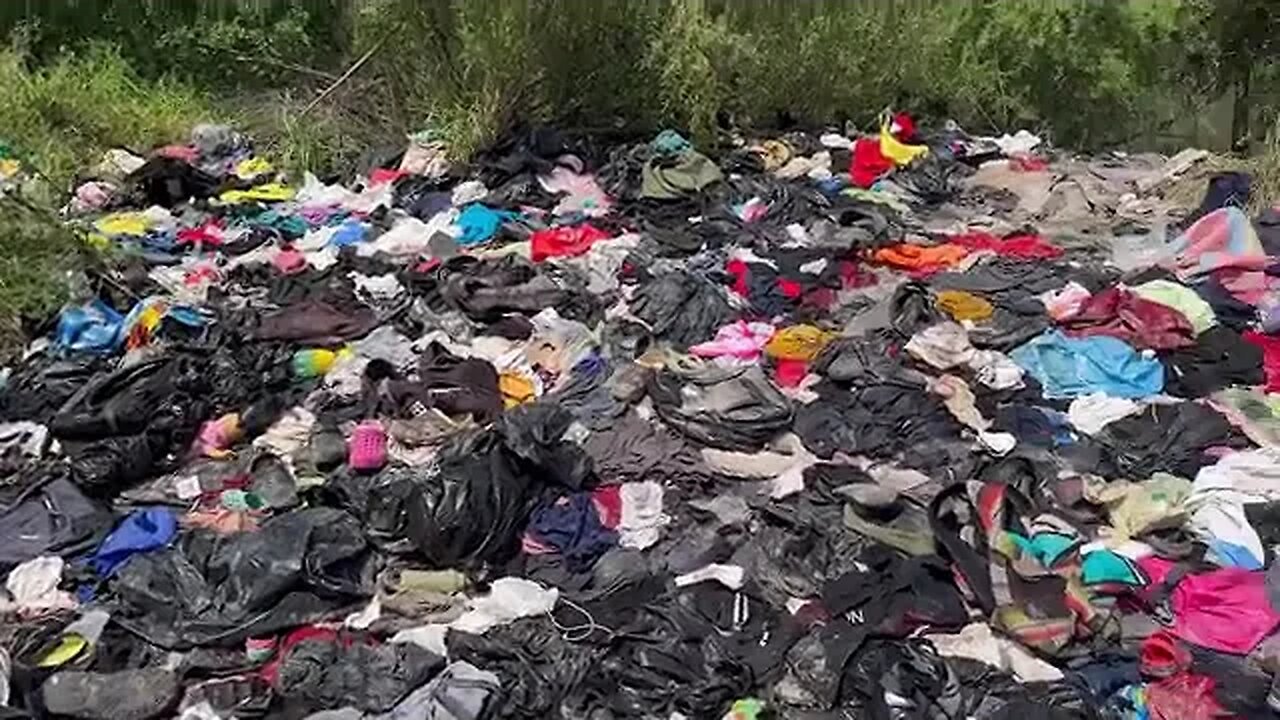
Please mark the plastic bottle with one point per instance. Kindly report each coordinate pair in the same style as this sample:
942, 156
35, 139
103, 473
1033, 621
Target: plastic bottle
314, 362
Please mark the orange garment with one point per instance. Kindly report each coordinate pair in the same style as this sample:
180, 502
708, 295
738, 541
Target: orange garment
921, 258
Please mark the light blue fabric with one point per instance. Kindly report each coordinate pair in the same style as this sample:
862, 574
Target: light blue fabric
93, 327
1229, 554
479, 223
1070, 367
670, 142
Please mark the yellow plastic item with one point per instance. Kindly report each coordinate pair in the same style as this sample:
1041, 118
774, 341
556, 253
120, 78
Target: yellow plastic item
270, 192
897, 151
126, 223
313, 362
68, 647
253, 167
9, 168
798, 342
516, 389
961, 305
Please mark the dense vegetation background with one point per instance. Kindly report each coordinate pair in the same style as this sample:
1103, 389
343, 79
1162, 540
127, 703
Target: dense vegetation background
80, 76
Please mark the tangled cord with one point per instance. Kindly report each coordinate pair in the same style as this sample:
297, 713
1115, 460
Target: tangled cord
578, 633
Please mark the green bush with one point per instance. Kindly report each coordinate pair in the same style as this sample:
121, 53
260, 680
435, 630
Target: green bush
1093, 73
58, 120
213, 43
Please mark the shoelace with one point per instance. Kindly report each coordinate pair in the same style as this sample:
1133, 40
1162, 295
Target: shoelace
578, 633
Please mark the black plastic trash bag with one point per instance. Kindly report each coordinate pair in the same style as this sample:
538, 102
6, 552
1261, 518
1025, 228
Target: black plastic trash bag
51, 517
125, 695
535, 434
682, 309
122, 426
328, 673
727, 408
538, 668
218, 590
474, 508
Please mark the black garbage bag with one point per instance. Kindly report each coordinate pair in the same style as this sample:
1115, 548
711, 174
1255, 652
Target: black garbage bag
487, 290
911, 670
43, 383
212, 589
933, 178
859, 361
49, 517
681, 309
879, 420
1169, 438
121, 402
727, 408
380, 501
474, 508
125, 695
167, 182
524, 149
326, 673
791, 555
108, 466
863, 225
911, 309
538, 668
535, 433
123, 425
683, 654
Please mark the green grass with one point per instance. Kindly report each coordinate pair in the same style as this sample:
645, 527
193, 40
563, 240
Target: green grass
62, 117
59, 120
36, 253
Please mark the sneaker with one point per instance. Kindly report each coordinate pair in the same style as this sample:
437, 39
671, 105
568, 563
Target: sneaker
367, 448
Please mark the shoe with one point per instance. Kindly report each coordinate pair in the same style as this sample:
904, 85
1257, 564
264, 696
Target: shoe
273, 482
367, 448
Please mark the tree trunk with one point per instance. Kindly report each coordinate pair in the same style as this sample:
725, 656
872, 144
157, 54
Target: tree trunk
1240, 112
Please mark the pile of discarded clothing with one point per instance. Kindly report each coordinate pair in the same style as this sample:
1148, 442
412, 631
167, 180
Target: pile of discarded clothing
902, 425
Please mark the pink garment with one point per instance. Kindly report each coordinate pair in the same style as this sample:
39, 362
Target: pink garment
1187, 696
790, 373
208, 234
1248, 286
186, 153
201, 275
742, 340
289, 261
1224, 238
583, 193
93, 196
1063, 303
382, 176
1225, 610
